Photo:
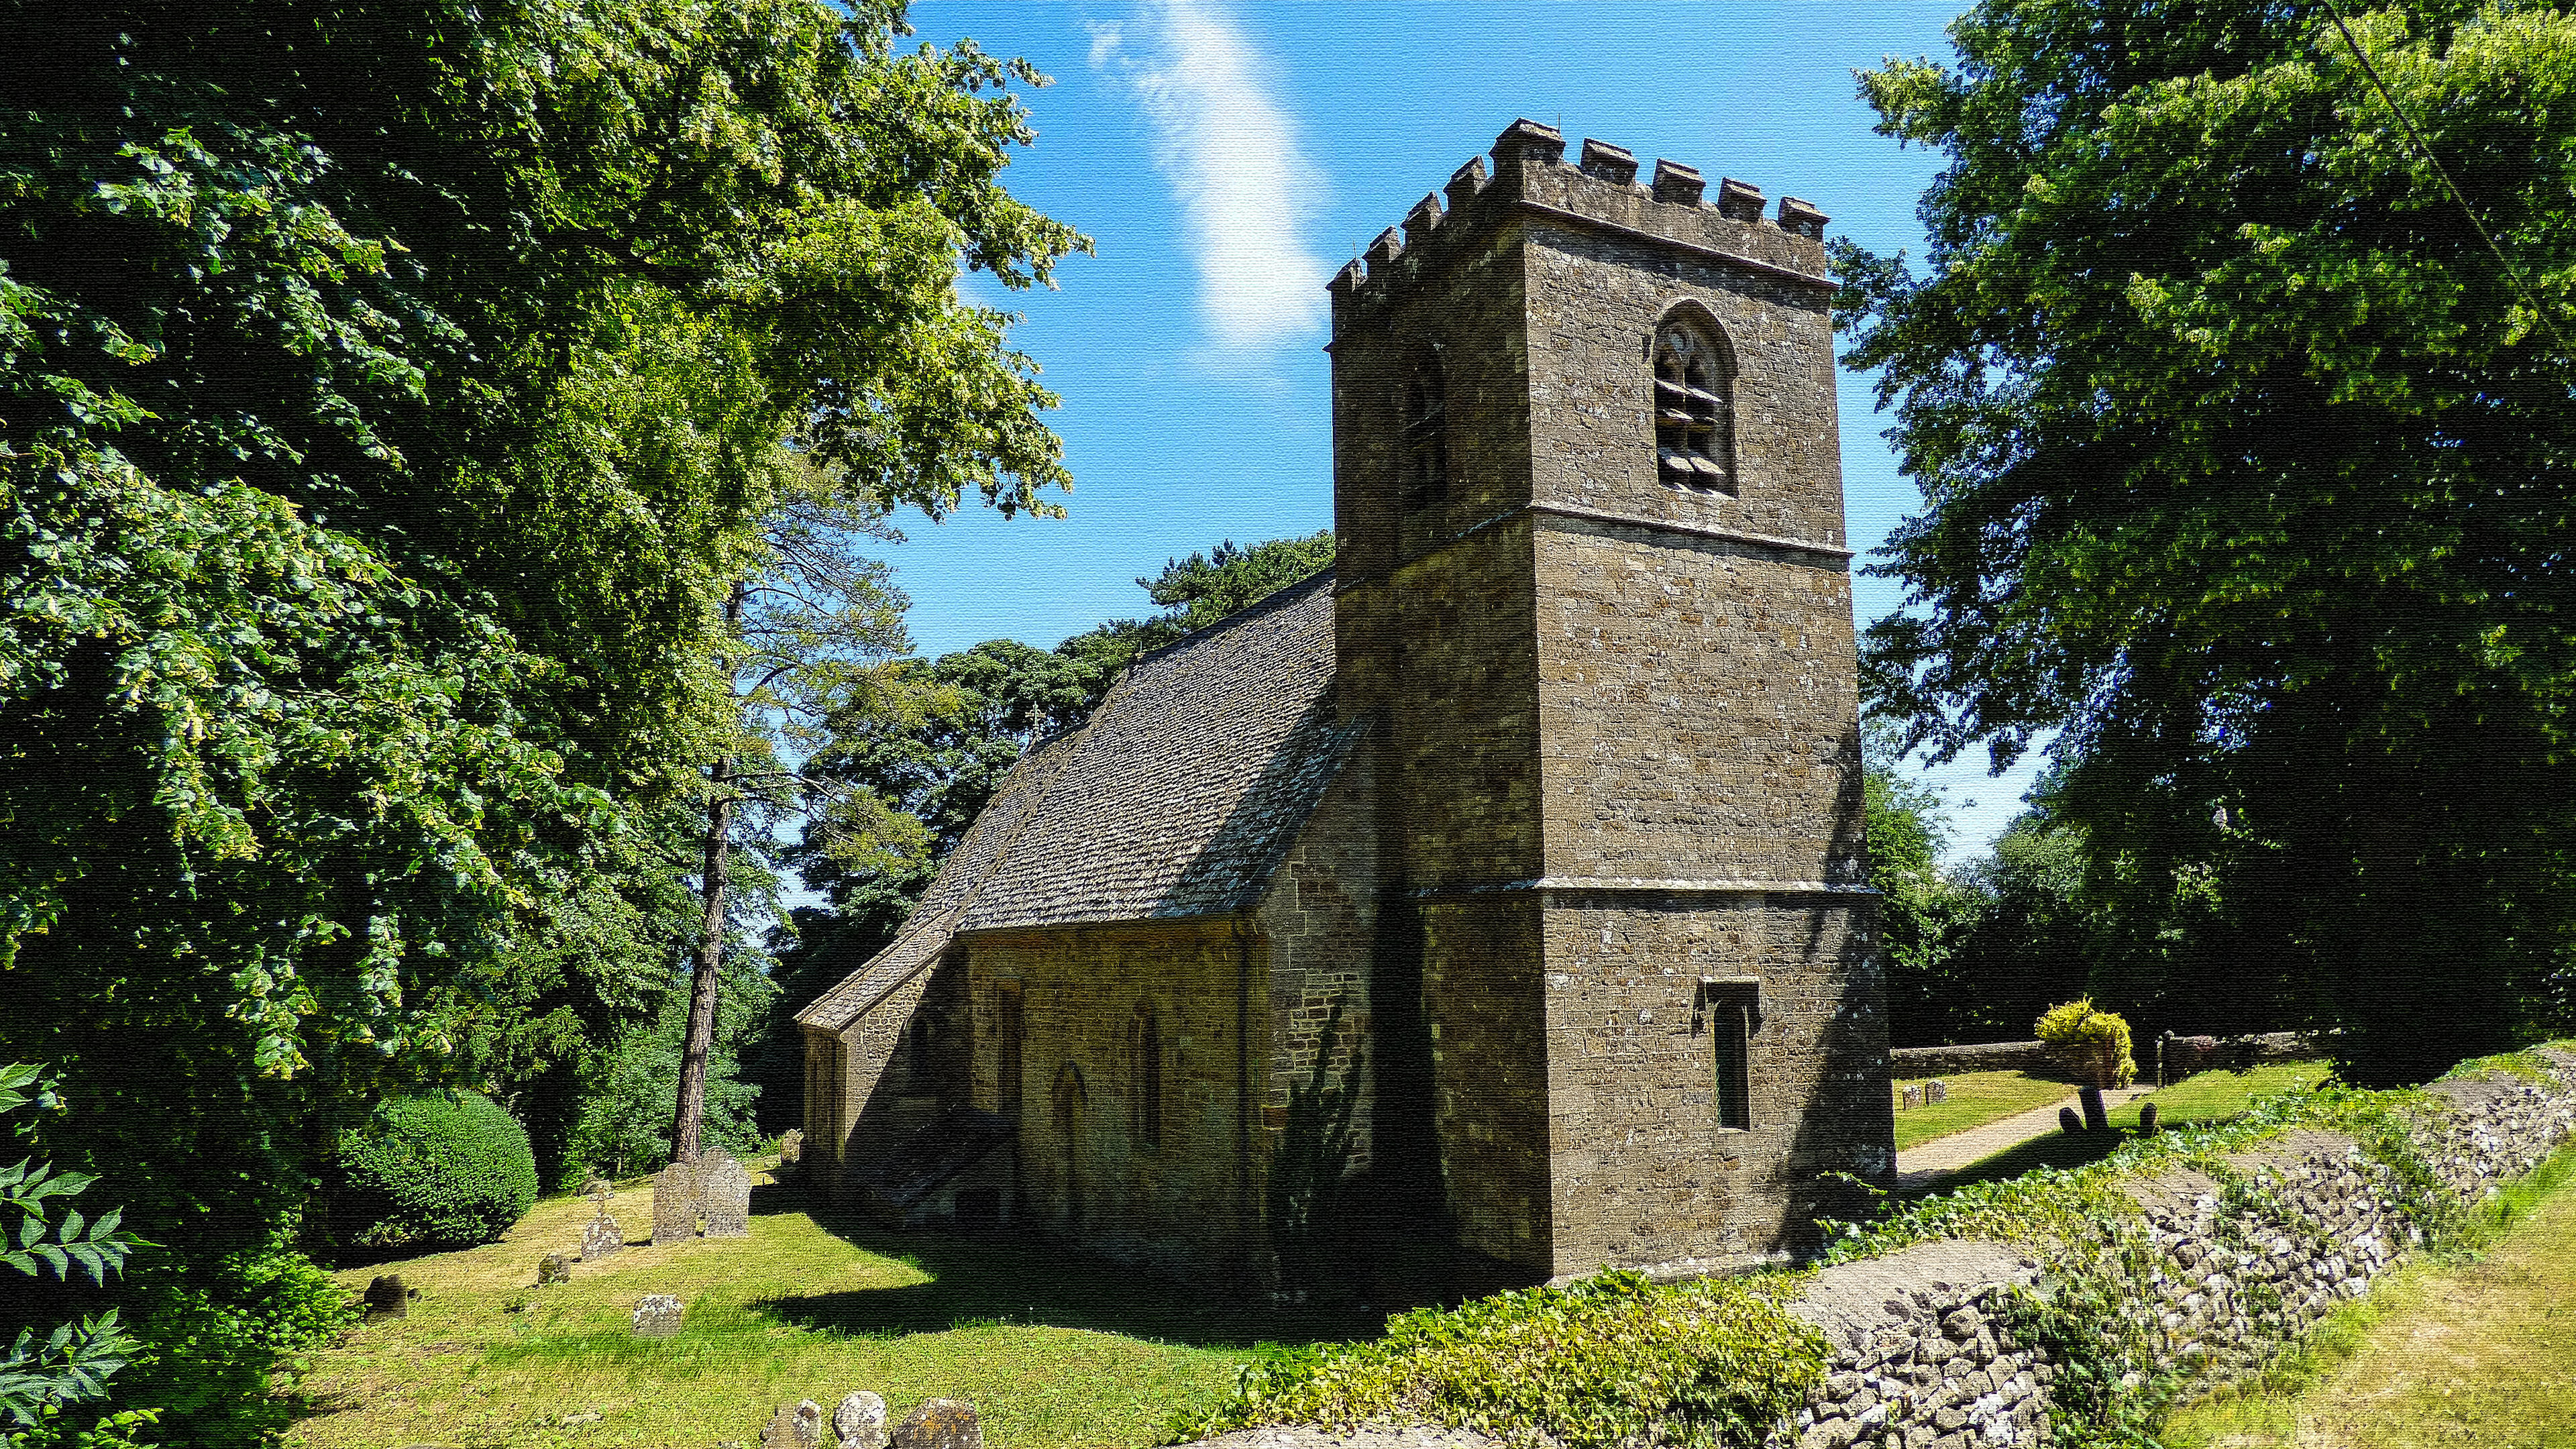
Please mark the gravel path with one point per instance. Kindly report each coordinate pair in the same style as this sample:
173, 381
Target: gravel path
1925, 1166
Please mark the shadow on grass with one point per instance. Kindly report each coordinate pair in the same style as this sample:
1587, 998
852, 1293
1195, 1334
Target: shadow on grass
999, 1279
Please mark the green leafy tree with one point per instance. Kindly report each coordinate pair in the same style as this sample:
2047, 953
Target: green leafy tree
1199, 590
2238, 389
47, 1369
625, 1123
1922, 911
376, 464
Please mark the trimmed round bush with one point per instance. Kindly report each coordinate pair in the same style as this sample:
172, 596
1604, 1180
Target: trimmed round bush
433, 1171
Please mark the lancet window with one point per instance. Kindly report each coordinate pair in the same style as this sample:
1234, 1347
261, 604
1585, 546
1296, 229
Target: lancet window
1426, 436
1694, 410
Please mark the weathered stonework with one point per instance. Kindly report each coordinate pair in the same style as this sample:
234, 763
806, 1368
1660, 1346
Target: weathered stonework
1919, 1350
1554, 777
1617, 715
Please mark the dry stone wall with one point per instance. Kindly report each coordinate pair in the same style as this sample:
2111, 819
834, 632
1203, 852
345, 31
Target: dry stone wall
1921, 1352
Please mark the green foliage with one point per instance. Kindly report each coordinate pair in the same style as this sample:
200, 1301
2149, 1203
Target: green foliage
432, 1171
2092, 1041
1923, 914
1198, 591
625, 1124
2240, 453
216, 1339
376, 463
1606, 1360
45, 1372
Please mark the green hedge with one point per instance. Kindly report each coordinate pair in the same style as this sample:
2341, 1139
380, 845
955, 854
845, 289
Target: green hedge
1605, 1361
430, 1172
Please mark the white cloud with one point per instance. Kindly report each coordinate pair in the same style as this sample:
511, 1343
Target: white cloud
1232, 155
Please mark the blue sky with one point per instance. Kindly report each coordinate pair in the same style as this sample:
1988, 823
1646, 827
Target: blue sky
1226, 156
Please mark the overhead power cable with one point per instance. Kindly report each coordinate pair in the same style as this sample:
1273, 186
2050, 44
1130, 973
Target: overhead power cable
2512, 274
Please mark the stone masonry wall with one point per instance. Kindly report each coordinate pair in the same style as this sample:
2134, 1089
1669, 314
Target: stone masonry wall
1921, 1356
1643, 1172
1317, 921
1190, 1202
877, 1099
1698, 715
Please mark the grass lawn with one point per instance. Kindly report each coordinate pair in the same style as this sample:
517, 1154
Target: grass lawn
1976, 1098
2436, 1356
2212, 1096
1051, 1350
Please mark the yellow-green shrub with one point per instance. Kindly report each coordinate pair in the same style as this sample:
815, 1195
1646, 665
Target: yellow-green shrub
2091, 1041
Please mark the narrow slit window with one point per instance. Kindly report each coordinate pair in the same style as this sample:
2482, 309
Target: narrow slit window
1426, 437
1145, 1105
1694, 386
1730, 1010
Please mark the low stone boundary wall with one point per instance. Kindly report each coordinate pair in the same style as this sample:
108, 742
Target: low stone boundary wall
1908, 1063
1922, 1355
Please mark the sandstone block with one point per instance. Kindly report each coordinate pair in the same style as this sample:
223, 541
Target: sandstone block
860, 1421
794, 1426
940, 1424
675, 1205
657, 1315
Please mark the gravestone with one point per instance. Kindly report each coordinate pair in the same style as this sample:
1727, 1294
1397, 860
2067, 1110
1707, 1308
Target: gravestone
724, 1194
795, 1426
791, 1146
657, 1315
675, 1205
387, 1298
2096, 1116
940, 1424
2147, 1118
2067, 1121
603, 1236
553, 1268
860, 1421
1914, 1096
1936, 1090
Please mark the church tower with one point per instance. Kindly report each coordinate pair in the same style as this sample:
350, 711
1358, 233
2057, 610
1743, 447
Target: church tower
1594, 603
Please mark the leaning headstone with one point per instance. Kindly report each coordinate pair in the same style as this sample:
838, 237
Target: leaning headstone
724, 1193
859, 1423
2096, 1116
387, 1298
657, 1315
791, 1146
796, 1426
1914, 1096
675, 1205
553, 1268
2147, 1118
940, 1424
2068, 1121
1935, 1091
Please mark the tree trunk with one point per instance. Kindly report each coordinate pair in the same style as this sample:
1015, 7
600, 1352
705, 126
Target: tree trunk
702, 982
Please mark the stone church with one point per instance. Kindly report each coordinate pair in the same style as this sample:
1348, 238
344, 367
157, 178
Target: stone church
1532, 830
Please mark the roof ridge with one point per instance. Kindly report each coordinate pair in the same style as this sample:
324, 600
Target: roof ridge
1278, 598
948, 918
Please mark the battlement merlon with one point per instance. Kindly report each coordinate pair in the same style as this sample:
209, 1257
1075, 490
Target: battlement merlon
1532, 180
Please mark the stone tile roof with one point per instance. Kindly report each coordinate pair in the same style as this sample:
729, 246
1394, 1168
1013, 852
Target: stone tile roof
1177, 798
934, 918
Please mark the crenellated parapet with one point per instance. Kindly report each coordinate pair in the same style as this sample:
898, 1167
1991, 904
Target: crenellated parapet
1530, 180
